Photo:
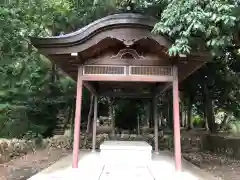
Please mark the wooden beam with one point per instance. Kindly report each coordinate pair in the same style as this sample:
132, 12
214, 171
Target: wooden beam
90, 88
168, 85
127, 78
127, 95
158, 88
187, 73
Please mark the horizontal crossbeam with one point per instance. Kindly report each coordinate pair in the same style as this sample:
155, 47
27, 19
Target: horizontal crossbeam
127, 78
127, 95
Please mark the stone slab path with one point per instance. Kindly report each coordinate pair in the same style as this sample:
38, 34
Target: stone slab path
24, 167
126, 172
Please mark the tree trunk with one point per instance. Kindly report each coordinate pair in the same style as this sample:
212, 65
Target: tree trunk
111, 114
138, 124
69, 116
113, 122
110, 110
170, 110
151, 118
182, 115
88, 130
189, 114
53, 75
148, 113
205, 118
186, 118
208, 103
210, 116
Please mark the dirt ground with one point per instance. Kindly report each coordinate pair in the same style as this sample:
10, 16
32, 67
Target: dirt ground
24, 167
219, 165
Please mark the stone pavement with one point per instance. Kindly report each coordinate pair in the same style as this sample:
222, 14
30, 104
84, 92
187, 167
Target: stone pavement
92, 167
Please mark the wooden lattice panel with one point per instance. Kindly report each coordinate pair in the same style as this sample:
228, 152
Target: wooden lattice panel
104, 70
151, 70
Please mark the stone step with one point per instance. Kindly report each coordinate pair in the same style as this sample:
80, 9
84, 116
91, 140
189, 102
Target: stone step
126, 152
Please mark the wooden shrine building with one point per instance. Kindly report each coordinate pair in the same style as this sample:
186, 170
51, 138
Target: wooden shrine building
119, 56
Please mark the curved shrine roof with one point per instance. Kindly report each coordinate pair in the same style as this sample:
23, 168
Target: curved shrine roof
79, 36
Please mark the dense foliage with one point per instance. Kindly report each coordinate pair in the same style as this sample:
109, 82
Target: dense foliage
34, 94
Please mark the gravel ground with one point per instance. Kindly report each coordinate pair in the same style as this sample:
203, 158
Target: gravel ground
24, 167
218, 165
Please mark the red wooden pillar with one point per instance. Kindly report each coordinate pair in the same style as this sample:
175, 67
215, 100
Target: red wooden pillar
94, 124
155, 124
77, 121
177, 134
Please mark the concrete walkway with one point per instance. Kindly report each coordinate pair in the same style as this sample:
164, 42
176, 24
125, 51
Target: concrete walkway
92, 167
